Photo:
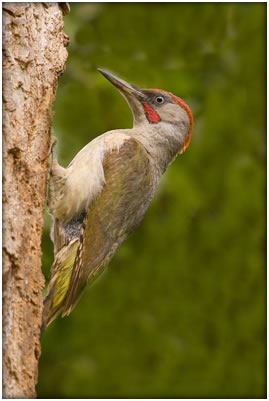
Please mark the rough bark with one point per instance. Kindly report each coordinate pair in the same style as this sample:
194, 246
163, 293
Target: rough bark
34, 56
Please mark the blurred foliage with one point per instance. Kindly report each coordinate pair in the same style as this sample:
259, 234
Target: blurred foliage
180, 311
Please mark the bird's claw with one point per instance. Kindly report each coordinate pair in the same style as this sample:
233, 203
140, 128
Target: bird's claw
52, 150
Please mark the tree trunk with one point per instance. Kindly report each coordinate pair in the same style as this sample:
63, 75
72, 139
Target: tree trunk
34, 56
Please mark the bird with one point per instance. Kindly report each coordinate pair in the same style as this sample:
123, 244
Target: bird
102, 196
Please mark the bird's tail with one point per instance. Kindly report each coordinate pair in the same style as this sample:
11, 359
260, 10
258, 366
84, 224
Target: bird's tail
49, 313
60, 278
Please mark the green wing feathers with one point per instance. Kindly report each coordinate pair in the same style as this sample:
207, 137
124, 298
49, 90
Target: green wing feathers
117, 211
60, 279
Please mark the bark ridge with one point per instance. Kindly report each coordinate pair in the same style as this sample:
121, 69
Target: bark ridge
34, 56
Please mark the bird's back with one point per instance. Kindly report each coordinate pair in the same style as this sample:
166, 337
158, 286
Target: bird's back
90, 239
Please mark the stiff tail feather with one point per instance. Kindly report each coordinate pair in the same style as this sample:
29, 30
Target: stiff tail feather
60, 278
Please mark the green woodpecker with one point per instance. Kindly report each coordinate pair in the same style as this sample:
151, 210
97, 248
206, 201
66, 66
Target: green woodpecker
104, 193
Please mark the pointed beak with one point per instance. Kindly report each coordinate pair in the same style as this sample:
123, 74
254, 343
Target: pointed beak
123, 86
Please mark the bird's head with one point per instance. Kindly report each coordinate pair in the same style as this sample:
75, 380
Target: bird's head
158, 108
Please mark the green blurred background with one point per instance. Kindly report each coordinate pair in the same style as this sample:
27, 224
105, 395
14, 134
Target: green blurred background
181, 310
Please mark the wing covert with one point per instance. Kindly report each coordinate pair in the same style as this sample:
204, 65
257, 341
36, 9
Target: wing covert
119, 208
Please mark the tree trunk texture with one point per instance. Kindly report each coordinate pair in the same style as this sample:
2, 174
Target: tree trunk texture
34, 56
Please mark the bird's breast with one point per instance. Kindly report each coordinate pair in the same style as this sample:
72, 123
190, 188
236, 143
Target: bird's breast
85, 174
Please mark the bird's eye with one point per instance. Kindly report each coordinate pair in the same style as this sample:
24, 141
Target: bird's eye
159, 99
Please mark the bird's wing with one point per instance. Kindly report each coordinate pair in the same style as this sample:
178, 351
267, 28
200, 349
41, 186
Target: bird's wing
116, 212
61, 271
